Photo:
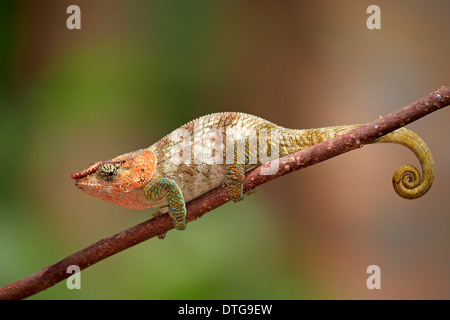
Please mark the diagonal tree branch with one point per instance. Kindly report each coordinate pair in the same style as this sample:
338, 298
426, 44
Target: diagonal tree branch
196, 208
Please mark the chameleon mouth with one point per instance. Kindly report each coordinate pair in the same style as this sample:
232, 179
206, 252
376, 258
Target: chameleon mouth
79, 184
88, 186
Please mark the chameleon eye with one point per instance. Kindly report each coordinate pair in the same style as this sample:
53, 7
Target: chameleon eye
107, 172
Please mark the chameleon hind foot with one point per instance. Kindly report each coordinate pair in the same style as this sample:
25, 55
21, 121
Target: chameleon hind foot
235, 181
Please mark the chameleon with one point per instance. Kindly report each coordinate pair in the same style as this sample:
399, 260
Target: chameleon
220, 148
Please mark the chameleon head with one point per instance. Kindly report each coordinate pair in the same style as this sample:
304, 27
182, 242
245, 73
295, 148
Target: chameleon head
119, 180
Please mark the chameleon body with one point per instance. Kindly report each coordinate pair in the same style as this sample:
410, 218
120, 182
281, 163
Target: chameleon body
219, 149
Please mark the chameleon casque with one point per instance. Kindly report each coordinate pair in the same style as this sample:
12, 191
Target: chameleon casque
219, 149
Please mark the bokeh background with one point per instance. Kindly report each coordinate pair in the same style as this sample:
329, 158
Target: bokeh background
138, 69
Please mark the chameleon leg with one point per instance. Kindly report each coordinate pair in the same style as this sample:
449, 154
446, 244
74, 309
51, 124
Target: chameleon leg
234, 180
177, 208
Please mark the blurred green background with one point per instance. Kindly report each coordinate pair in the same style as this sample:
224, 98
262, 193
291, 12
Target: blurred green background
138, 69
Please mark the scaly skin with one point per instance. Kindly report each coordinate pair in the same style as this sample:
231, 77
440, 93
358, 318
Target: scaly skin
182, 166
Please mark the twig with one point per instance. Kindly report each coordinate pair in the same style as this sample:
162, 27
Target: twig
196, 208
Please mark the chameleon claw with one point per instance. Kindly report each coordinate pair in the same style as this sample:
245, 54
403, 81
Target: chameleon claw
250, 191
157, 214
162, 235
236, 198
179, 222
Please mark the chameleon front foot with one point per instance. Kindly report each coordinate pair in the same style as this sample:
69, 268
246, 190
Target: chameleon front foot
168, 188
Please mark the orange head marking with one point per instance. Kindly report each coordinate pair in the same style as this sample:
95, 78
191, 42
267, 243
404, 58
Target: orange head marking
119, 180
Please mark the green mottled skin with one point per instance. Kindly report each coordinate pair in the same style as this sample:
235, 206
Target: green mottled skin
167, 188
172, 184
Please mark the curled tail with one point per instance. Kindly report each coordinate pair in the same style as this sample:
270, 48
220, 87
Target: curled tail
407, 181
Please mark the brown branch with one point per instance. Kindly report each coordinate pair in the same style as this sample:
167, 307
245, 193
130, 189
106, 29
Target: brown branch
196, 208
